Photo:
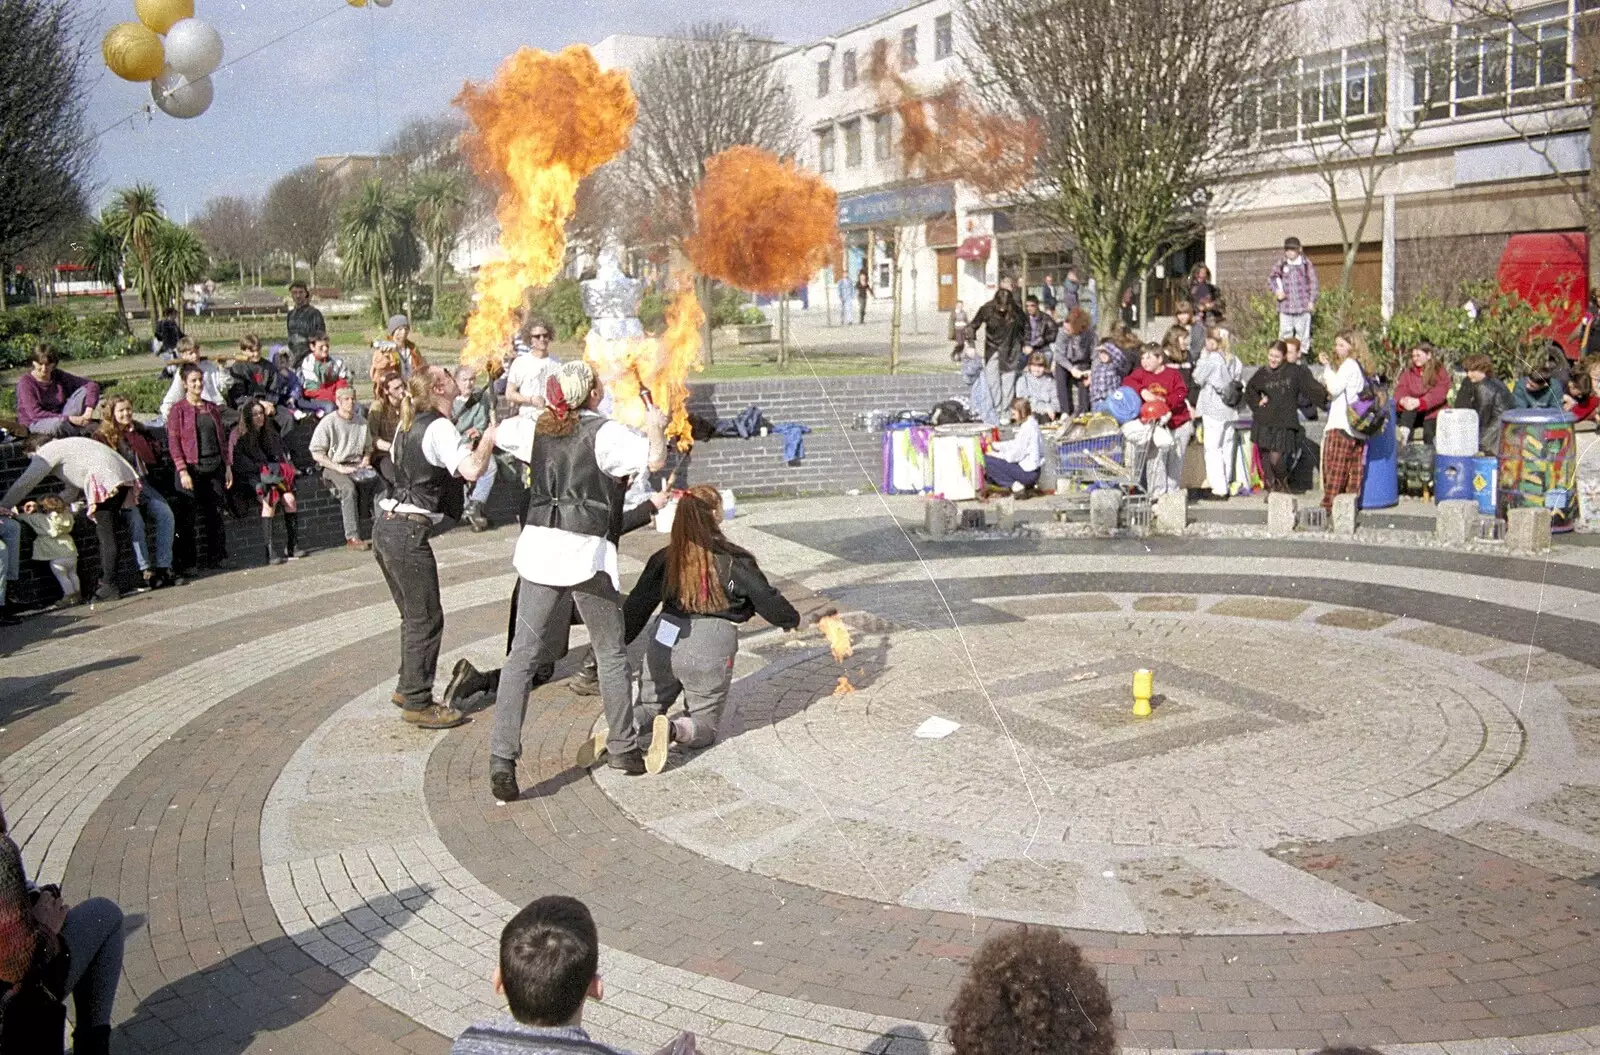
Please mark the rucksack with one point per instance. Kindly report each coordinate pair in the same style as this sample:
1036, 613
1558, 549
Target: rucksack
1232, 394
950, 412
1368, 413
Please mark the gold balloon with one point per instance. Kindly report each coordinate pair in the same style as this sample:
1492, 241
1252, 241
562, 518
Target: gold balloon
356, 3
159, 15
133, 52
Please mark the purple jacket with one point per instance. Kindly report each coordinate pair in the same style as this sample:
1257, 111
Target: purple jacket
182, 442
1298, 284
37, 399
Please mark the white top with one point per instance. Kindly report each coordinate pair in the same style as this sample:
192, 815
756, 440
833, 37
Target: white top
527, 375
442, 447
213, 391
1344, 385
1025, 448
550, 556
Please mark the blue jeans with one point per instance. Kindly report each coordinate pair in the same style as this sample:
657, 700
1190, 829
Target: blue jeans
480, 488
161, 513
10, 553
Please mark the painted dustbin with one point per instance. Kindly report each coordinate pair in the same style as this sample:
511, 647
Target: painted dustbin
1539, 464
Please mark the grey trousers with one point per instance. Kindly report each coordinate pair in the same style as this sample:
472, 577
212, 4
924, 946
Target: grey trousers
1002, 385
543, 614
93, 933
350, 493
699, 665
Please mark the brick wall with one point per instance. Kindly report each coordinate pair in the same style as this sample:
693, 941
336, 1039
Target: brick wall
1441, 266
1243, 274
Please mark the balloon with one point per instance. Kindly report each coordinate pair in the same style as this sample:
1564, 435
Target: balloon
133, 52
356, 3
382, 3
178, 96
194, 49
159, 15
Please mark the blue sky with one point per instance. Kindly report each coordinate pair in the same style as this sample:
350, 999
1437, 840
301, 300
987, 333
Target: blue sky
345, 84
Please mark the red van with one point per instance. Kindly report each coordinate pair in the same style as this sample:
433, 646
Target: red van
1551, 270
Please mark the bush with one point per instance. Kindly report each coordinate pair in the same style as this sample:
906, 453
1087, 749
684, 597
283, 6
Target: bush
1507, 329
653, 310
561, 305
732, 307
450, 313
97, 336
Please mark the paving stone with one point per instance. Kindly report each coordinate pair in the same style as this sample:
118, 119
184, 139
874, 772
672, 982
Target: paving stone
1165, 604
1169, 889
841, 856
1575, 805
1581, 695
1260, 608
1355, 619
1539, 666
1058, 604
1018, 885
1449, 639
1534, 849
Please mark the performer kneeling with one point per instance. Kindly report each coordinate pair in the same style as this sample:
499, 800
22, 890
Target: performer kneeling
705, 586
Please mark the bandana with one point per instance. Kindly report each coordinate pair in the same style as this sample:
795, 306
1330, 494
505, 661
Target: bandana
556, 400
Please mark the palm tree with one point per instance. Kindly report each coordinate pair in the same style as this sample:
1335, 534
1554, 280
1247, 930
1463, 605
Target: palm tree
372, 225
138, 211
439, 201
177, 258
102, 253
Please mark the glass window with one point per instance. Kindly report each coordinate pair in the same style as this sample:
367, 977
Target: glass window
908, 47
825, 150
1321, 95
852, 143
824, 76
883, 136
847, 70
1485, 67
943, 38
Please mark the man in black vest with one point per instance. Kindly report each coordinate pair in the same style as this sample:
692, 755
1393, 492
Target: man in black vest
430, 460
579, 464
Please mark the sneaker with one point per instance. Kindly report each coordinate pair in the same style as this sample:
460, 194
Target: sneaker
630, 762
580, 685
593, 749
476, 518
298, 554
503, 780
1017, 488
655, 759
357, 544
435, 716
71, 600
276, 558
466, 681
107, 592
159, 579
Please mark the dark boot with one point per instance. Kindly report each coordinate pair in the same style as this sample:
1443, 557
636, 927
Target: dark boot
273, 556
587, 681
466, 681
291, 524
503, 779
91, 1040
476, 517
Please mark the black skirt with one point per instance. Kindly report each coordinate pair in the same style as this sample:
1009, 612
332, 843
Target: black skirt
1277, 437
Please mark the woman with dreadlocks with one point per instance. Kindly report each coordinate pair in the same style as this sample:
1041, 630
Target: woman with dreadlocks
705, 586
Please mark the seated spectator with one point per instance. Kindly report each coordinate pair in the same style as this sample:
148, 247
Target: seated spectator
396, 353
1029, 991
340, 446
197, 443
1039, 388
167, 335
1582, 398
254, 378
1421, 392
1487, 394
261, 466
120, 431
47, 950
52, 402
977, 379
1536, 389
107, 483
214, 380
51, 522
472, 413
1015, 463
1175, 346
549, 965
383, 418
320, 375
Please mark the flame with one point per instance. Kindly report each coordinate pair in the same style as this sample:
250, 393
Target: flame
838, 636
542, 125
629, 366
762, 224
844, 688
992, 152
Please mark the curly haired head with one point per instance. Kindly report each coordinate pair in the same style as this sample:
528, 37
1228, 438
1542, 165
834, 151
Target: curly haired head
1029, 992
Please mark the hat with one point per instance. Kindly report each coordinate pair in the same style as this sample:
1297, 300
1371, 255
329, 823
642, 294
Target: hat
397, 321
576, 379
1154, 411
1288, 243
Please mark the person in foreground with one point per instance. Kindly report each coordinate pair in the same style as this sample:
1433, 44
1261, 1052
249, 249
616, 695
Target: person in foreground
706, 586
549, 966
1029, 991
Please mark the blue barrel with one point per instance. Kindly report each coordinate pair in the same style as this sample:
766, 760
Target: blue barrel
1452, 479
1485, 484
1380, 484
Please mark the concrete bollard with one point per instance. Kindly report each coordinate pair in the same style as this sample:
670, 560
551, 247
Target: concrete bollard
1046, 484
1281, 512
1528, 530
1007, 510
1344, 514
1455, 521
939, 516
1105, 508
1171, 513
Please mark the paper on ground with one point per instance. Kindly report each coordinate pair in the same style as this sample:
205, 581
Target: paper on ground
936, 728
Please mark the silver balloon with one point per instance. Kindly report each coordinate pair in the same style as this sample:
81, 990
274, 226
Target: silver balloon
178, 96
194, 49
382, 3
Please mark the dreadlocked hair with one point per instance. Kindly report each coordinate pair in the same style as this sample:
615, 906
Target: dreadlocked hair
692, 580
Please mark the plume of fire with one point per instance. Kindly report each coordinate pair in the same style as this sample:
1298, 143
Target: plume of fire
543, 124
993, 152
843, 688
838, 634
762, 224
661, 366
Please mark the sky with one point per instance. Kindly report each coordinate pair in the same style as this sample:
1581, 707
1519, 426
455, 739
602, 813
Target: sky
348, 82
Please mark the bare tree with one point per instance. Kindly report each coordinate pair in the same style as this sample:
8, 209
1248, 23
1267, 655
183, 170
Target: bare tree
231, 230
44, 152
300, 216
1141, 108
713, 88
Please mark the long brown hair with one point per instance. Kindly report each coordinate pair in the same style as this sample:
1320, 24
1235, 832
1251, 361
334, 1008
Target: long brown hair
1358, 351
692, 580
418, 398
109, 432
1433, 368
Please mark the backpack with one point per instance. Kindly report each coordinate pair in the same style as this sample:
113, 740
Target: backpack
950, 412
1368, 413
1232, 394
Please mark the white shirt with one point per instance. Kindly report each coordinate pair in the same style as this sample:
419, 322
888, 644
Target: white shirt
527, 376
1344, 385
1023, 448
551, 556
212, 390
442, 447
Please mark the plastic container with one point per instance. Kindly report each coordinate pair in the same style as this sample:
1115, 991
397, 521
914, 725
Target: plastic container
1539, 464
1380, 483
1457, 433
1589, 484
907, 460
1452, 478
1486, 484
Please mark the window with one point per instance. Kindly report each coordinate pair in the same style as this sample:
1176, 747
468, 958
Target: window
852, 143
1320, 95
824, 76
825, 150
943, 38
847, 70
883, 136
1487, 67
908, 47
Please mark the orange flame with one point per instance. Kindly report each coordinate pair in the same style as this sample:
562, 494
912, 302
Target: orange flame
843, 688
992, 152
545, 123
630, 365
838, 635
762, 224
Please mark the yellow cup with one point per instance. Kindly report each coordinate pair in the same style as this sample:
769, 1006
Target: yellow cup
1143, 686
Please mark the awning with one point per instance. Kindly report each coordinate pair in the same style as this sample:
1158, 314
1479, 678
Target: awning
975, 248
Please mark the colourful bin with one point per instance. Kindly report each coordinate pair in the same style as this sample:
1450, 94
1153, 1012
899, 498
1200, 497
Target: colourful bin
1539, 464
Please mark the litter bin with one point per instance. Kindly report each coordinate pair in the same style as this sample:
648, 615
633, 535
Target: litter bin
1380, 484
1539, 463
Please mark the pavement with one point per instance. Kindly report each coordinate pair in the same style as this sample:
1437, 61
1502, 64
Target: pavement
1366, 809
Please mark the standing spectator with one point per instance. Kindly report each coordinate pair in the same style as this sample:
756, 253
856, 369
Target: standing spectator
846, 291
1040, 333
167, 335
214, 380
1047, 294
1004, 328
1175, 346
1015, 463
1273, 396
1487, 394
958, 322
320, 375
340, 446
1343, 452
1074, 361
51, 522
302, 323
122, 433
1070, 298
1294, 283
863, 291
261, 465
1029, 990
1039, 388
198, 447
1113, 361
1194, 328
396, 352
1204, 297
472, 412
532, 369
1219, 378
1129, 313
52, 402
1157, 381
1582, 398
106, 481
10, 564
1536, 389
1421, 392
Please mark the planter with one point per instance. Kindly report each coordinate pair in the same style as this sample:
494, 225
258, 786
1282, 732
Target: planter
758, 333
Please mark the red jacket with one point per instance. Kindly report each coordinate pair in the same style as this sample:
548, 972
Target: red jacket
182, 442
1410, 386
1167, 378
1585, 408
